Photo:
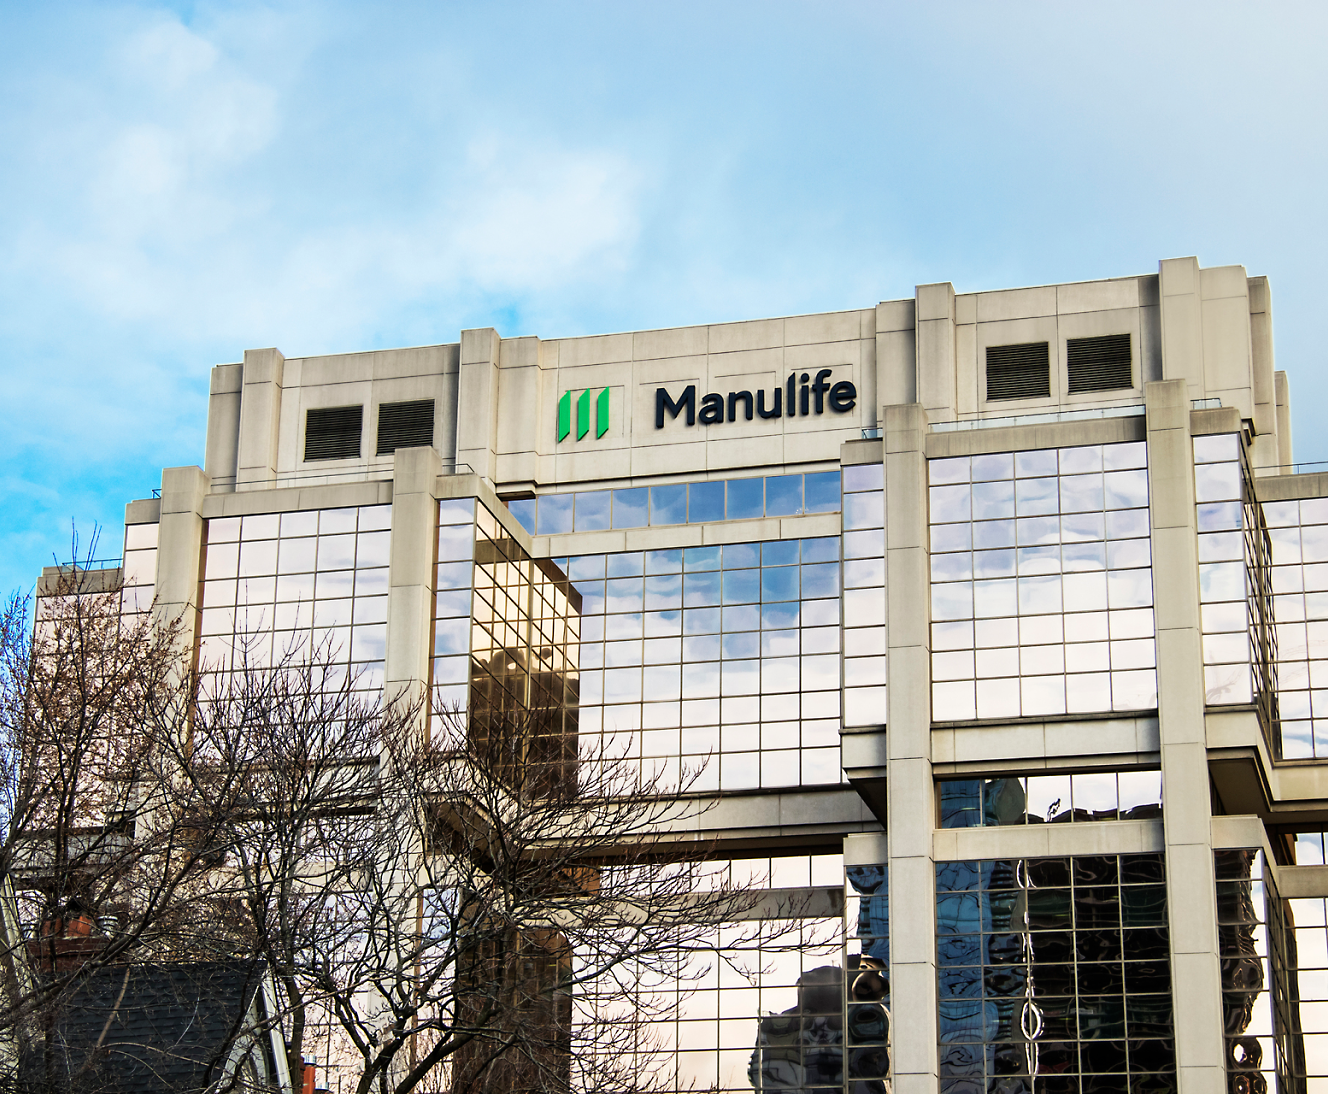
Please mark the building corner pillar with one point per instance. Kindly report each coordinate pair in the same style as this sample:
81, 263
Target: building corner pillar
477, 402
260, 419
410, 576
910, 790
180, 543
1186, 795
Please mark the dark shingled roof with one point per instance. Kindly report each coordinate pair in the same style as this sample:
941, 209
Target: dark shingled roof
170, 1032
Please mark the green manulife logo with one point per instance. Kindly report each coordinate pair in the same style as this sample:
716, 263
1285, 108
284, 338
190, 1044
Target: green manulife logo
583, 414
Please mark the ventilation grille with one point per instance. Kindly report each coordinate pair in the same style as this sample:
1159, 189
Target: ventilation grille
1018, 372
1098, 364
333, 433
404, 425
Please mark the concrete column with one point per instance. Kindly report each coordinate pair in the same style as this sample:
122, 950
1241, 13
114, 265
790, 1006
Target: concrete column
896, 353
477, 402
223, 426
1187, 803
1284, 453
1261, 367
911, 809
936, 350
260, 419
410, 577
180, 548
1182, 323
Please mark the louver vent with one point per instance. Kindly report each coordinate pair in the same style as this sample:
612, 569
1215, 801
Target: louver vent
404, 425
1098, 364
333, 433
1018, 372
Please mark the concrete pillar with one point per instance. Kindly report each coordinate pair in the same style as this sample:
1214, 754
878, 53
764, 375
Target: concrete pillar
1261, 368
911, 808
1284, 453
477, 402
410, 576
260, 419
1187, 803
936, 350
896, 353
180, 548
1182, 323
223, 427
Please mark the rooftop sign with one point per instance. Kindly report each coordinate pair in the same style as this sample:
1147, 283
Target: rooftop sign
797, 398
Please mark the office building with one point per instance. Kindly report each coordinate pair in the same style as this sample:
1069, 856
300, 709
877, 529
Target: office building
1002, 616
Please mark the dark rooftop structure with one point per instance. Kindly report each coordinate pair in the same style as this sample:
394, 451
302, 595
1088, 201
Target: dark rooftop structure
177, 1028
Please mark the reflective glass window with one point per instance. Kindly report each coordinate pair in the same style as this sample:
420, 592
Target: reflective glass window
719, 624
295, 586
1054, 970
1039, 559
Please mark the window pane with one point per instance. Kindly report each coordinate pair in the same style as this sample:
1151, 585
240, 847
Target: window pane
630, 508
668, 504
783, 496
554, 515
705, 502
592, 510
746, 499
821, 492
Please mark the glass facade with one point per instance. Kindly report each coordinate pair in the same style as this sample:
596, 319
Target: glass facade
723, 660
864, 595
1299, 534
868, 1013
1051, 799
140, 569
506, 629
1054, 975
281, 585
678, 503
1254, 1057
1042, 584
1235, 578
757, 1004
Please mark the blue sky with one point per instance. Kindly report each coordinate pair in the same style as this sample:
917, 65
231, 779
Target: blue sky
180, 182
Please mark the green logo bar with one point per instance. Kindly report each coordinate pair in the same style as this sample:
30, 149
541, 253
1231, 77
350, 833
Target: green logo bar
583, 414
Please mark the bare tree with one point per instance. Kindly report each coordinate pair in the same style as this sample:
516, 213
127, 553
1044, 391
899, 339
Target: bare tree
477, 908
101, 864
489, 904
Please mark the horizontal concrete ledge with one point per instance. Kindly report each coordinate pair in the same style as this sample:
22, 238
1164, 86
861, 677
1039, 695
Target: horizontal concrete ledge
1302, 881
1059, 744
64, 580
1049, 840
143, 511
1292, 487
289, 499
791, 814
1240, 831
972, 442
1217, 419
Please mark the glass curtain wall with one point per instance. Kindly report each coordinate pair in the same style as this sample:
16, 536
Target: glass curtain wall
505, 639
754, 1005
1299, 534
1235, 579
678, 503
1051, 799
718, 660
1042, 584
1252, 1060
311, 583
1054, 972
869, 1022
140, 570
864, 595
